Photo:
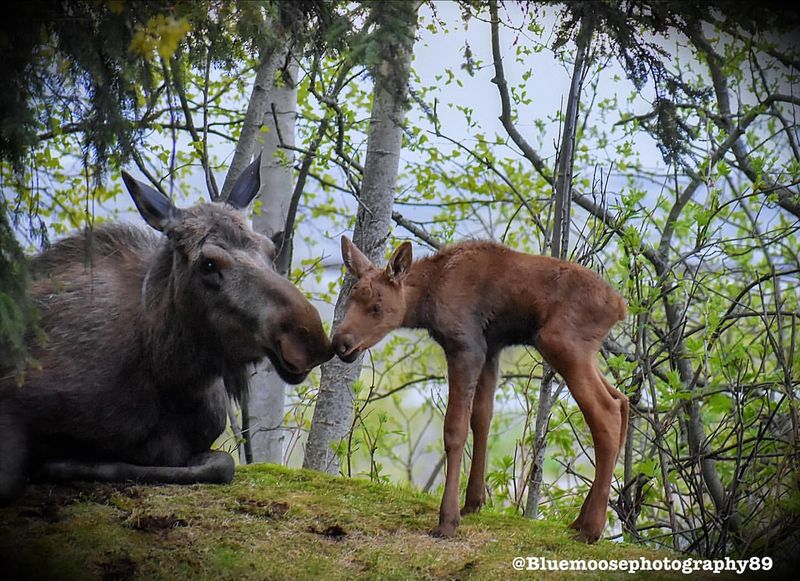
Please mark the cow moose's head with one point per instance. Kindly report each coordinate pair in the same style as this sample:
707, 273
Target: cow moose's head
217, 271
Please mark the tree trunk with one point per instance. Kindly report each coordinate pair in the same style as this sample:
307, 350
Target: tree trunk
559, 248
265, 402
541, 427
695, 430
394, 37
265, 407
242, 156
246, 147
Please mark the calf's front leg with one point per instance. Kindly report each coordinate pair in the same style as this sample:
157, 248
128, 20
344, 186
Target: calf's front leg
463, 369
480, 422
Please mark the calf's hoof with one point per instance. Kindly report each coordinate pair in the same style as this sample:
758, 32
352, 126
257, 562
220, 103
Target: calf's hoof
444, 531
471, 508
586, 533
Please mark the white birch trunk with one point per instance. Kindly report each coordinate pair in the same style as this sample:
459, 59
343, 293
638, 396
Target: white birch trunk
246, 148
334, 409
267, 391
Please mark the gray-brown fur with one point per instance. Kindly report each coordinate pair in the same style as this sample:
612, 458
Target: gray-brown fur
139, 329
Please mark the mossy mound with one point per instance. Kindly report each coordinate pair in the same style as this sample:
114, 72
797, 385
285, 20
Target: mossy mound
273, 523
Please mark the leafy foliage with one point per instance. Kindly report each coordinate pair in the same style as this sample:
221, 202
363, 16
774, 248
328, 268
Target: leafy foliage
703, 243
17, 313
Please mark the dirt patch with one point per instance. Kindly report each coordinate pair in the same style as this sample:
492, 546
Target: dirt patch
59, 495
44, 502
155, 523
49, 512
105, 491
64, 494
262, 509
334, 532
117, 569
466, 570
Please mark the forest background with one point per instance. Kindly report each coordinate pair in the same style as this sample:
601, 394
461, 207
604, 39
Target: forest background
655, 142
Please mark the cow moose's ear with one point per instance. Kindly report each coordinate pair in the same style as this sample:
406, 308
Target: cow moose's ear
154, 207
246, 186
354, 260
278, 239
400, 262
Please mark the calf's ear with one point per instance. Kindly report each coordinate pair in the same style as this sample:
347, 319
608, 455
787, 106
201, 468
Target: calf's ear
354, 260
154, 207
400, 263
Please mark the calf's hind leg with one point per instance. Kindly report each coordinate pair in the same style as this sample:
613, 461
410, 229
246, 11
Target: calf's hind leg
623, 405
575, 361
624, 412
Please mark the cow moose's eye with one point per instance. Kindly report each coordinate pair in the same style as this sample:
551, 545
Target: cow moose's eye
208, 266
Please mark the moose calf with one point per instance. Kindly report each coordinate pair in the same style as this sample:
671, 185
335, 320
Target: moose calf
127, 383
475, 298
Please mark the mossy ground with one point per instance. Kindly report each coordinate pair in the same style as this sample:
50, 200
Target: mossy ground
273, 523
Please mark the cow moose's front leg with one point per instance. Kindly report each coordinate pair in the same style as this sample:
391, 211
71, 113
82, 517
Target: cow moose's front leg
463, 369
480, 421
212, 467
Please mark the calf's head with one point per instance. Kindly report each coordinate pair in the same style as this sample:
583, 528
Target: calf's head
218, 276
377, 301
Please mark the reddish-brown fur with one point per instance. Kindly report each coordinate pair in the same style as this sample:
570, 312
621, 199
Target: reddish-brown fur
475, 298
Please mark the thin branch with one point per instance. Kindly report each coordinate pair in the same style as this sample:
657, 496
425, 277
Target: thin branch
416, 230
505, 100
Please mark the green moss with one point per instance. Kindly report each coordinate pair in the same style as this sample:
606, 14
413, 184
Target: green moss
271, 523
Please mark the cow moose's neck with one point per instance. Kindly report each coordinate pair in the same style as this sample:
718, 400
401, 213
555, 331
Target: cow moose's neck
181, 353
176, 336
177, 350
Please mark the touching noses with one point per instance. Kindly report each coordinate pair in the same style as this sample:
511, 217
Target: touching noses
343, 343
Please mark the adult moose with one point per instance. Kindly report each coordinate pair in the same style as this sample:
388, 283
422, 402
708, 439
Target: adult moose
475, 298
139, 329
